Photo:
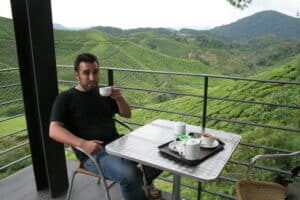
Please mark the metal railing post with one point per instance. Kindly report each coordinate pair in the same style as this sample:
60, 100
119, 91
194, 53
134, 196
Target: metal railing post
204, 103
110, 74
199, 191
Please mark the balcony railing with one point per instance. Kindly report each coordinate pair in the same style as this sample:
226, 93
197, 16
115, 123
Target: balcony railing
113, 77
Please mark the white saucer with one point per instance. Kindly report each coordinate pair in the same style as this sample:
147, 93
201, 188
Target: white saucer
213, 145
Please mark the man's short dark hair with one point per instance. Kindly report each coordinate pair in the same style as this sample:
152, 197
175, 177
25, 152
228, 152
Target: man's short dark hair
85, 57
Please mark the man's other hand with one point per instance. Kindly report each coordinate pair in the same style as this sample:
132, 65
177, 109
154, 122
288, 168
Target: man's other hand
91, 146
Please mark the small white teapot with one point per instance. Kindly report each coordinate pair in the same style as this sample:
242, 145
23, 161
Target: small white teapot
190, 149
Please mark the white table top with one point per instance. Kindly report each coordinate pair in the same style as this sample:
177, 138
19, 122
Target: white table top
141, 145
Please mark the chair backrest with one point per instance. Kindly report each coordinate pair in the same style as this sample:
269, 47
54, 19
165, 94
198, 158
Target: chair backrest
258, 157
252, 190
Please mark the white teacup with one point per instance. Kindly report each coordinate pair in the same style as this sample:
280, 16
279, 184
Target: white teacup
190, 149
207, 139
105, 91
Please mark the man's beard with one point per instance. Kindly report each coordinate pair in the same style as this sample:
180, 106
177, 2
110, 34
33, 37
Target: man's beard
88, 87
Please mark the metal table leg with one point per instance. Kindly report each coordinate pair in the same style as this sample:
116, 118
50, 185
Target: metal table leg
176, 187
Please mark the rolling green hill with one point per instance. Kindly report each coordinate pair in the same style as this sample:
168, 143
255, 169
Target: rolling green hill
266, 51
244, 58
8, 54
260, 24
119, 52
206, 48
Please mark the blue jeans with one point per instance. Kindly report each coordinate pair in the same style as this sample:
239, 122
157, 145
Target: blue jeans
121, 170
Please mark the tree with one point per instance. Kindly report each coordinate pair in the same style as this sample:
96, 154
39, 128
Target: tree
240, 3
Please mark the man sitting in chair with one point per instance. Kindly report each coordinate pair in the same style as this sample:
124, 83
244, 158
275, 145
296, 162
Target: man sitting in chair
82, 118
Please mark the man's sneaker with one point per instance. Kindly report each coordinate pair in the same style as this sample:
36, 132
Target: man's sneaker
153, 191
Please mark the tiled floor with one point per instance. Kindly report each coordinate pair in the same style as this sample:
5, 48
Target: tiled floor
21, 186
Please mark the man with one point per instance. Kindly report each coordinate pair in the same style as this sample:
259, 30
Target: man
81, 117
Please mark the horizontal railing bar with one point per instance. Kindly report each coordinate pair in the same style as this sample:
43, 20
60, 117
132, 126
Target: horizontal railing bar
133, 123
66, 66
233, 180
170, 180
265, 147
12, 117
66, 81
262, 167
11, 85
15, 162
227, 196
13, 133
201, 75
208, 191
228, 179
219, 119
166, 111
255, 102
9, 102
75, 82
192, 74
159, 91
253, 124
8, 69
13, 148
210, 97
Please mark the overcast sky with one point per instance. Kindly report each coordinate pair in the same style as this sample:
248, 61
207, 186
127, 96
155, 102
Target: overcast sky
126, 14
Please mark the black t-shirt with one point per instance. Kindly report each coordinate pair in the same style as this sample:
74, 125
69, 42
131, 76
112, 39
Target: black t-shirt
86, 114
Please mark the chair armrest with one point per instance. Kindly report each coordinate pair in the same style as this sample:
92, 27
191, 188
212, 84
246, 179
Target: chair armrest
123, 124
92, 158
258, 157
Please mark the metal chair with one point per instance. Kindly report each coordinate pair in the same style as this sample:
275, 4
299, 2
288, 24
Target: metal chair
256, 190
99, 175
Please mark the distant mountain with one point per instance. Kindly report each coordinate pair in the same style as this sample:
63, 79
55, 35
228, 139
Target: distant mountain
193, 32
121, 32
260, 24
111, 30
62, 27
257, 25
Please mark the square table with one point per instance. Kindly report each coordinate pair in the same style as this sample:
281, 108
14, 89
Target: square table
141, 145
